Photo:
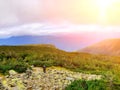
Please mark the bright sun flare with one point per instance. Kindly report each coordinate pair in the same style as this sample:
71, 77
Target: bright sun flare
103, 5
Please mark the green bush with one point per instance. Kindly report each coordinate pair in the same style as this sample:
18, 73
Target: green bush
4, 68
20, 67
88, 85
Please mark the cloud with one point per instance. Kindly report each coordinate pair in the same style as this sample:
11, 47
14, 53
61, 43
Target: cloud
6, 13
53, 29
14, 12
19, 11
29, 11
31, 29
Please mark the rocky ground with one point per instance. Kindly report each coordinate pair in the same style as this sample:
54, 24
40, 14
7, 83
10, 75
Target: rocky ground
56, 78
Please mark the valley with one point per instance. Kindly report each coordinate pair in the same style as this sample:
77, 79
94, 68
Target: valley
21, 58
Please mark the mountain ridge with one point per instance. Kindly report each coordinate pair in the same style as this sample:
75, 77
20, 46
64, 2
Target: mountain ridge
64, 41
107, 47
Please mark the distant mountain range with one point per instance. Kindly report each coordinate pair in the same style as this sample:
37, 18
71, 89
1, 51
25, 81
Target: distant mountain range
64, 41
107, 47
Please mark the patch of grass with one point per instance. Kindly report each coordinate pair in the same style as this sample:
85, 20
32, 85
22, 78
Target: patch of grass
88, 85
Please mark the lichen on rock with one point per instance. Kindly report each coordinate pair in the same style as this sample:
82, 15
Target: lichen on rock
55, 78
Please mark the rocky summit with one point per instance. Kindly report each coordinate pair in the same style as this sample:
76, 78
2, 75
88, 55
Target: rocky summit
55, 78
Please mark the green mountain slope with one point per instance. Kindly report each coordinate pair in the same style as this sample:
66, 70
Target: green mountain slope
22, 57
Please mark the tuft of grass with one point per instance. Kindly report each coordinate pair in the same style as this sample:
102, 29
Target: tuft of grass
88, 85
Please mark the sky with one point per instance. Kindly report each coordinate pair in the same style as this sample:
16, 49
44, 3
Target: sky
48, 17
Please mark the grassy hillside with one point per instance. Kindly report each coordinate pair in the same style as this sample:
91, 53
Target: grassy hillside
20, 58
107, 47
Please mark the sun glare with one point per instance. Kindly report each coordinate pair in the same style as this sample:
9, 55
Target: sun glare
103, 6
104, 3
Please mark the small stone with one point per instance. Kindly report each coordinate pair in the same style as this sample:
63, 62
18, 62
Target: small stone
69, 78
12, 72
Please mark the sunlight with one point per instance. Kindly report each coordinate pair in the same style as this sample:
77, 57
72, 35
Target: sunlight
103, 6
104, 3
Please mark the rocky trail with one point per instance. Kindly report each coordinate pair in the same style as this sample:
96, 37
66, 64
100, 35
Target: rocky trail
55, 78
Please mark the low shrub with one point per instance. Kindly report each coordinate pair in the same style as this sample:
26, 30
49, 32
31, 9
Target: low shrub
88, 85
